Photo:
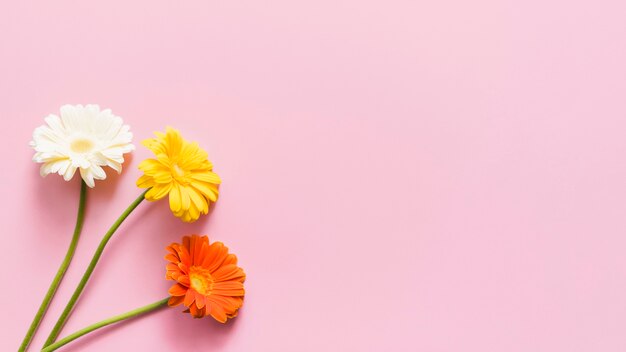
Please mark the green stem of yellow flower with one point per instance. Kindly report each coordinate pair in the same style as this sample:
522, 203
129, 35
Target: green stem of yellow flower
94, 260
60, 273
131, 314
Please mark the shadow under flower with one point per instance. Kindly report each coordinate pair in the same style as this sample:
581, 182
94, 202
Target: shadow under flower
191, 333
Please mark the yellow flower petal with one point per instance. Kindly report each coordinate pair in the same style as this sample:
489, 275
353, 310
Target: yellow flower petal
207, 190
199, 201
209, 177
175, 200
145, 182
158, 191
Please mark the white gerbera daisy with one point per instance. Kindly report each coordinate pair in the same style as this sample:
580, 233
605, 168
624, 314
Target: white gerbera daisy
83, 137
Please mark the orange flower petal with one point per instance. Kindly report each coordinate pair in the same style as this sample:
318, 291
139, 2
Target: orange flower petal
217, 253
177, 290
172, 248
200, 300
172, 267
230, 304
228, 288
183, 280
175, 301
192, 249
196, 312
228, 272
187, 242
230, 259
218, 313
172, 258
183, 254
189, 298
202, 253
197, 249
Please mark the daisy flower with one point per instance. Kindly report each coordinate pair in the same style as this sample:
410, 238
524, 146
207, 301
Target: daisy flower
181, 170
208, 280
84, 138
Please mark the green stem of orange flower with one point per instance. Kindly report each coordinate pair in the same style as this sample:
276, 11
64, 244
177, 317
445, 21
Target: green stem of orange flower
80, 217
128, 315
94, 260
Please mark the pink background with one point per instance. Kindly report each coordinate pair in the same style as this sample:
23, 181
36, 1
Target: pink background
398, 175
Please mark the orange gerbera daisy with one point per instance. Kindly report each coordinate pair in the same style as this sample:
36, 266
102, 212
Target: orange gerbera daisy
208, 280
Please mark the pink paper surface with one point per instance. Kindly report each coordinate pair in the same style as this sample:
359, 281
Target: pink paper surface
397, 175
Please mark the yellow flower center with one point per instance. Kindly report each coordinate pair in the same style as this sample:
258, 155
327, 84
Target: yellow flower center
81, 145
201, 280
178, 170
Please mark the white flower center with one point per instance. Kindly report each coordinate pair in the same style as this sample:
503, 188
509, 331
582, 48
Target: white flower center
81, 145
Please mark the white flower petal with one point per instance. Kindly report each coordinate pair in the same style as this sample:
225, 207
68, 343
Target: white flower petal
87, 177
55, 123
115, 166
44, 170
69, 173
70, 116
98, 172
63, 166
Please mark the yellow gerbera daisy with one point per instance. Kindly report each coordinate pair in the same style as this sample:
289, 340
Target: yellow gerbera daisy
182, 170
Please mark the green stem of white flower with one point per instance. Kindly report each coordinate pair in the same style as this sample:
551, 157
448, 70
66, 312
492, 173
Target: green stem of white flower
128, 315
80, 217
92, 265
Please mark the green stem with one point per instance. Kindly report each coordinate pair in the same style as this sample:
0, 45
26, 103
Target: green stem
94, 260
80, 217
131, 314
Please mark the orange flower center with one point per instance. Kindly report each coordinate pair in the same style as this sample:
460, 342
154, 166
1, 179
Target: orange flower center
201, 280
